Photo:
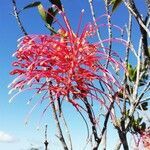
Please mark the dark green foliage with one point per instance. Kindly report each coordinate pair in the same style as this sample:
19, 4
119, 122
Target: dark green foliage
46, 15
131, 72
34, 4
57, 3
50, 15
143, 106
115, 4
136, 125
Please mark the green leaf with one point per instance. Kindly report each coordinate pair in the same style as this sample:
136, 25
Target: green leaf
115, 4
112, 2
143, 106
120, 95
51, 29
34, 4
139, 120
143, 80
143, 126
42, 11
133, 77
47, 16
131, 72
50, 15
40, 8
57, 3
145, 74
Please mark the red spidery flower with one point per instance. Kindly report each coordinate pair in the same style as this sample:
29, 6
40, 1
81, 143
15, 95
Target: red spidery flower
145, 136
67, 64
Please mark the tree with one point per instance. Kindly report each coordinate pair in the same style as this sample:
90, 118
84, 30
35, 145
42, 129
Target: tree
68, 67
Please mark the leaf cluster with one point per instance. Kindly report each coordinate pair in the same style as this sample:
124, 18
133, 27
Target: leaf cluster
49, 14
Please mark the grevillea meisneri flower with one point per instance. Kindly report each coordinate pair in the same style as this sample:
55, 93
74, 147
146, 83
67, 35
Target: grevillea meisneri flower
66, 64
145, 137
142, 139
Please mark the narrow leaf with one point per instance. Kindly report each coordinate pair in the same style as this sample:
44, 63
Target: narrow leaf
42, 11
116, 3
34, 4
143, 106
57, 3
50, 15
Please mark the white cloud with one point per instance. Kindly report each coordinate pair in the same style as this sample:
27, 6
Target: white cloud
6, 138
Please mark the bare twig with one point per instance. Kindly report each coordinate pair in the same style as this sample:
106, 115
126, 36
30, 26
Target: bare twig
67, 130
109, 30
60, 134
46, 142
94, 129
148, 5
95, 23
16, 14
142, 25
129, 31
132, 8
58, 126
121, 128
144, 91
105, 123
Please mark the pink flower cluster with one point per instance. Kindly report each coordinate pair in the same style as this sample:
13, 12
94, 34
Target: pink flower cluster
145, 136
67, 64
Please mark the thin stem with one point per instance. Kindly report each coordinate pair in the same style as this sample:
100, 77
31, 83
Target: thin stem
60, 134
46, 142
94, 129
109, 30
123, 135
129, 31
144, 91
58, 126
16, 14
132, 8
67, 130
95, 23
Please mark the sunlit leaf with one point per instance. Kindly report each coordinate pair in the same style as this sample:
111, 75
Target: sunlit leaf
131, 72
42, 11
47, 15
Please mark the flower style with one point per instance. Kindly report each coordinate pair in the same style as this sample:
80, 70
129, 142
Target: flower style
67, 64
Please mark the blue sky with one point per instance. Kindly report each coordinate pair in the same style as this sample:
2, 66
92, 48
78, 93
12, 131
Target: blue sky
14, 134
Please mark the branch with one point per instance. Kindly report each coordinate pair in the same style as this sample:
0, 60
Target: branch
122, 134
67, 130
94, 20
16, 14
61, 137
109, 30
106, 121
60, 133
94, 129
142, 24
148, 6
46, 142
144, 91
132, 8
